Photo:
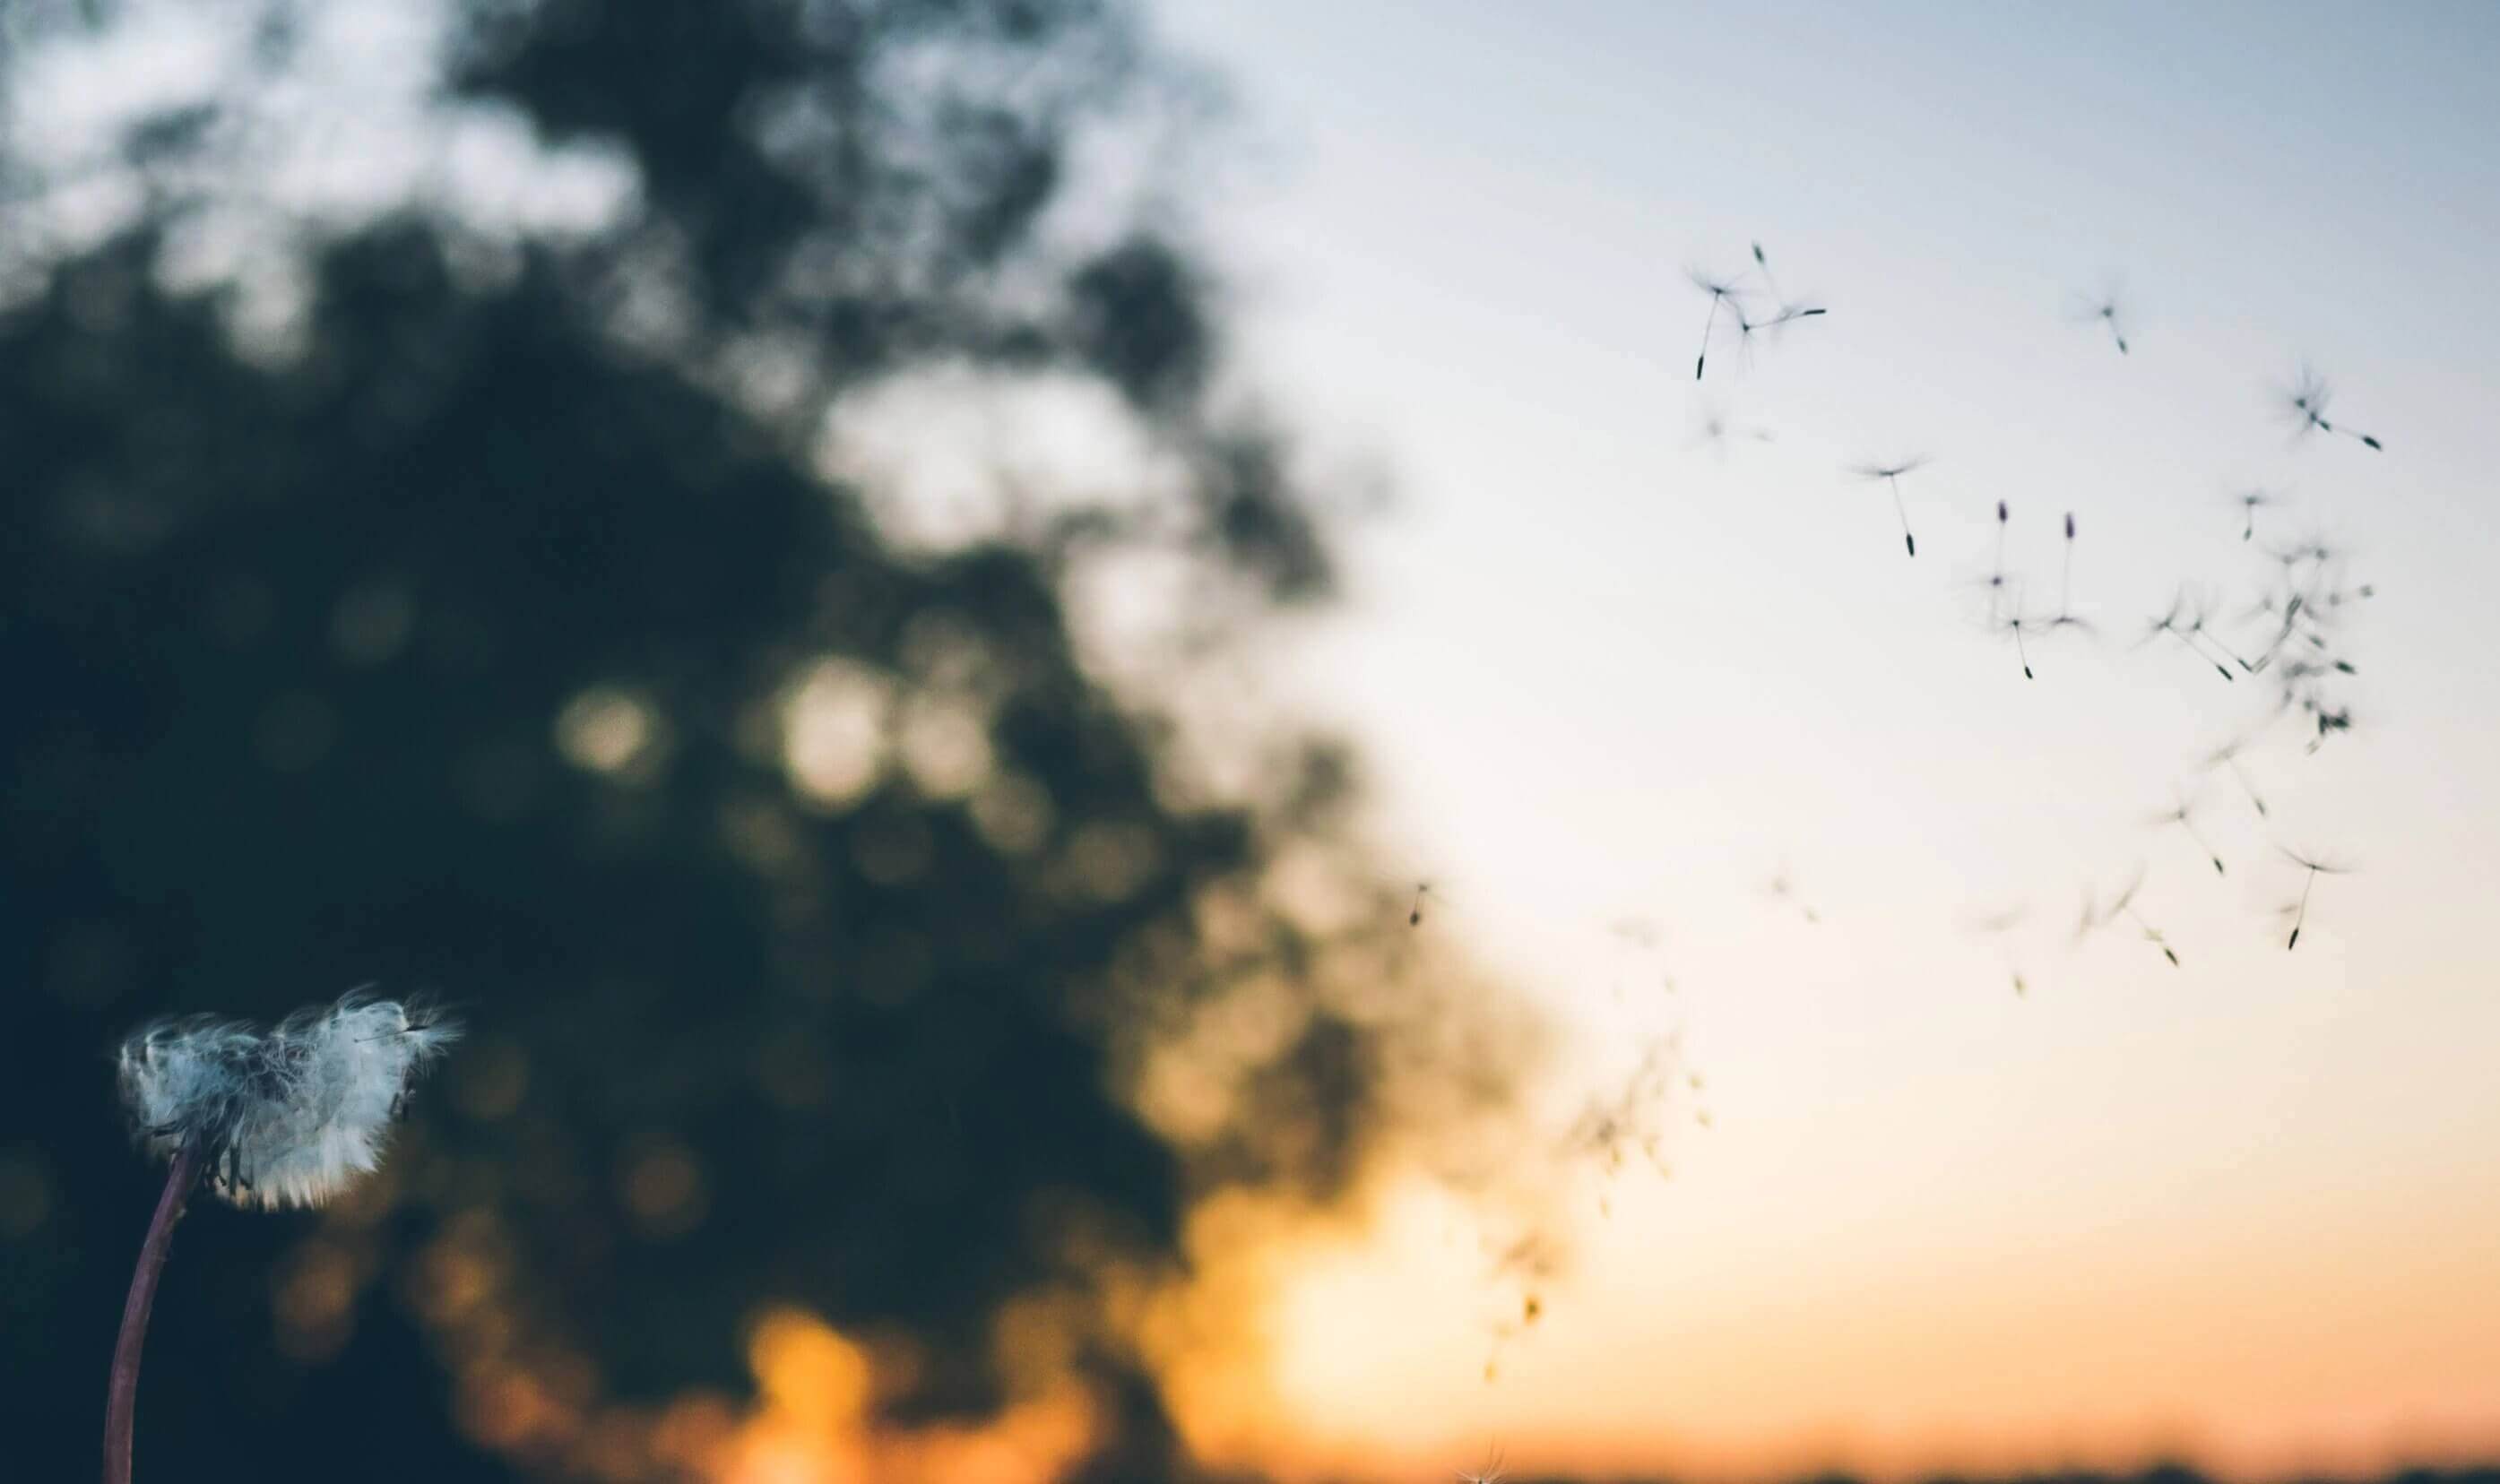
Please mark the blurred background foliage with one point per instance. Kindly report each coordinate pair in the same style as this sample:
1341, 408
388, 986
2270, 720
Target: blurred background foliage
440, 554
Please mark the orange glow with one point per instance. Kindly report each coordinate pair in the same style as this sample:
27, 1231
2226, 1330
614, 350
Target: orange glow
2359, 1345
814, 1424
813, 1419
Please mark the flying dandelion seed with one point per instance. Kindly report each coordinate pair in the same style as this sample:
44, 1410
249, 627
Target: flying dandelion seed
289, 1116
2015, 623
2227, 756
2315, 866
1890, 474
1529, 1308
2066, 571
1721, 291
1994, 581
2184, 621
2065, 620
2303, 403
2330, 721
2291, 614
2249, 502
1995, 922
2192, 630
1786, 309
1638, 931
2307, 551
1784, 889
1714, 427
1628, 1118
2123, 905
1995, 925
2101, 308
2182, 813
1762, 266
1767, 329
1533, 1255
1747, 327
2006, 617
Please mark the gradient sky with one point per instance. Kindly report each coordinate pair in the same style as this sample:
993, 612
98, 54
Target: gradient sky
2248, 1209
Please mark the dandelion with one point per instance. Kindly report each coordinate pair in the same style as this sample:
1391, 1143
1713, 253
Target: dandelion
276, 1118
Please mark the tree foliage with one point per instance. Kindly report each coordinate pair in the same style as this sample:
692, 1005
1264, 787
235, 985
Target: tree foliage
413, 583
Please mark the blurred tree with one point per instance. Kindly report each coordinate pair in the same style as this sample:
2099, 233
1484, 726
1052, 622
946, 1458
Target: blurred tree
421, 567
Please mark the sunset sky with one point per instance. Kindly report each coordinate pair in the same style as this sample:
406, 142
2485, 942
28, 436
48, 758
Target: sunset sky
2248, 1209
1609, 680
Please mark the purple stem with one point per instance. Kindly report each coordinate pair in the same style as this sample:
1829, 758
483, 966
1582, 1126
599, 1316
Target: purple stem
122, 1398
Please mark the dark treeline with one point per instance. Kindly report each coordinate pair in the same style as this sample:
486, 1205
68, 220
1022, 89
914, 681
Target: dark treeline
2161, 1473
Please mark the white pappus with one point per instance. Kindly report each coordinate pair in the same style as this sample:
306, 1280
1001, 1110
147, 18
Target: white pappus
288, 1117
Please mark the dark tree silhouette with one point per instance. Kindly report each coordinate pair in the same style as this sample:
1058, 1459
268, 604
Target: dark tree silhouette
484, 629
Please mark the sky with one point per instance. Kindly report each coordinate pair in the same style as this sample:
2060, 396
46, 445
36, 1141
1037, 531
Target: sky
2246, 1210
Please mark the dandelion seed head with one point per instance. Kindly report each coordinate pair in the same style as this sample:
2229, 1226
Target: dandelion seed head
288, 1117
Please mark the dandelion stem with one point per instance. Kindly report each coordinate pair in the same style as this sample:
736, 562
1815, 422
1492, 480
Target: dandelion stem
122, 1395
